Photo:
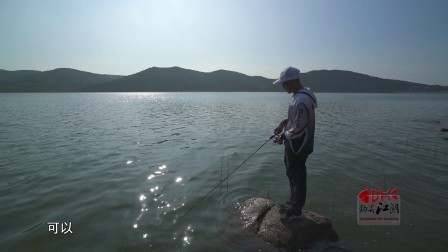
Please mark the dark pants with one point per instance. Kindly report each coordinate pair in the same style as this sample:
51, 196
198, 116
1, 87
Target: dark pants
296, 172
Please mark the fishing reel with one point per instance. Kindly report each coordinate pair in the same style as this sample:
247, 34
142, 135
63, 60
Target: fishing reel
278, 139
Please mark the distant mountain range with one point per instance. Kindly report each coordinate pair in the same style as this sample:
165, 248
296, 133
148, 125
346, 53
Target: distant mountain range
176, 79
57, 80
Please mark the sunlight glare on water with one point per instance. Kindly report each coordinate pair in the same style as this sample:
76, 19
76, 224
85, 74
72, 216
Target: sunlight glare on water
125, 167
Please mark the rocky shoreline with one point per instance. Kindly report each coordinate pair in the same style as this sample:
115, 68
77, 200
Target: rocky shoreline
312, 232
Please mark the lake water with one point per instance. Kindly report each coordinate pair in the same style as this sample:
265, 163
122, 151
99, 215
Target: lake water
122, 168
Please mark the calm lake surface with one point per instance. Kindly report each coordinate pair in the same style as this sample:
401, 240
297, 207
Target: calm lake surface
122, 168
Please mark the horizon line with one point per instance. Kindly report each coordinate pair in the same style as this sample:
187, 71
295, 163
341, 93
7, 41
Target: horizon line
216, 71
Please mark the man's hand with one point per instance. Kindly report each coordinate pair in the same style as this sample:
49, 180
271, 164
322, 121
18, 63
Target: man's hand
279, 128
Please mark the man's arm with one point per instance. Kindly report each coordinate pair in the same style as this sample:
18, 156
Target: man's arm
298, 122
280, 127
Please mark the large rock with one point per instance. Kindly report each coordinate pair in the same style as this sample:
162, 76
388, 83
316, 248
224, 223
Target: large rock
262, 217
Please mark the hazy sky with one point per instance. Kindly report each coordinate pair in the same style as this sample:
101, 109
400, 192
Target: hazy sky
396, 39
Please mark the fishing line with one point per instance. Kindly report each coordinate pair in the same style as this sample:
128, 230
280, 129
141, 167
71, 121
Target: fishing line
199, 201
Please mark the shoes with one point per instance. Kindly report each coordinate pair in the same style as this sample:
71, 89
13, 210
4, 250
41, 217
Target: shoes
289, 216
285, 206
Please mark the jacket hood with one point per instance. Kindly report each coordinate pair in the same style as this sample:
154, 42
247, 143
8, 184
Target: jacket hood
308, 91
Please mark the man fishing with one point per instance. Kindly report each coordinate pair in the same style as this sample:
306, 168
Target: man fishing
298, 137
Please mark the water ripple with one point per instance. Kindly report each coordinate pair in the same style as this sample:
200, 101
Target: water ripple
123, 169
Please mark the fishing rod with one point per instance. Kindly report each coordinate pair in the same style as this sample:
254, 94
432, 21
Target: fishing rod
199, 201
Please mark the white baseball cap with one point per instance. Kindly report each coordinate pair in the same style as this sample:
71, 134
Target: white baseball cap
290, 73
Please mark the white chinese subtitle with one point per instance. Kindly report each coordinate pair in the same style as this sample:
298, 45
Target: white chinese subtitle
65, 227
